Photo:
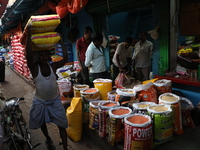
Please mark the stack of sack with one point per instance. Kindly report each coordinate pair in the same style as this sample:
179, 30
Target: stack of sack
43, 35
144, 116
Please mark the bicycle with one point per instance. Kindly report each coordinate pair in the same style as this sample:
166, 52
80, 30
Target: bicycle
15, 131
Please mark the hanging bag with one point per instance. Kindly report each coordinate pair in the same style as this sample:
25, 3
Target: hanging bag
75, 6
61, 8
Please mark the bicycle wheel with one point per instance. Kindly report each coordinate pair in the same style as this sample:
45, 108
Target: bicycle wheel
11, 146
19, 114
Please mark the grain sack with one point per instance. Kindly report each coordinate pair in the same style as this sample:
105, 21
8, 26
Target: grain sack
141, 108
40, 24
74, 116
43, 23
163, 86
104, 116
94, 114
116, 124
104, 86
88, 95
146, 92
112, 95
78, 88
138, 132
174, 101
126, 97
44, 41
162, 123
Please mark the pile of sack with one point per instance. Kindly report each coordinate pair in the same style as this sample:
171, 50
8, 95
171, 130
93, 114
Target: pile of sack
127, 112
42, 29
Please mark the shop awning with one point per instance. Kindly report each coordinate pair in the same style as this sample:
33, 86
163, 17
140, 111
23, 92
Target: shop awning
3, 4
19, 11
104, 7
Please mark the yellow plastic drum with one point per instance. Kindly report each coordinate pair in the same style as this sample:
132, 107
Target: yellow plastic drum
104, 86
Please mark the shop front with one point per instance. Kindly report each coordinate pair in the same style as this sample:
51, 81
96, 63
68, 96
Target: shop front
117, 20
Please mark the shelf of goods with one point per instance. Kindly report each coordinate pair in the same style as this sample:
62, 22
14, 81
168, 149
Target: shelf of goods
187, 80
19, 59
59, 53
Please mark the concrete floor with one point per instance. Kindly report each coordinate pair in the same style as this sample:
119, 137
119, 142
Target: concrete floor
15, 86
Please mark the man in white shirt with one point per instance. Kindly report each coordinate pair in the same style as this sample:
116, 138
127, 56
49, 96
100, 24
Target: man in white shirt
122, 57
95, 59
142, 57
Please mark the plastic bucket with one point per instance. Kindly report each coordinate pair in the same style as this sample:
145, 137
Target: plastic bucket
104, 86
138, 132
116, 124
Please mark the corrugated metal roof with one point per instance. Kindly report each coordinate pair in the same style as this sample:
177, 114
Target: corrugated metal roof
104, 7
19, 11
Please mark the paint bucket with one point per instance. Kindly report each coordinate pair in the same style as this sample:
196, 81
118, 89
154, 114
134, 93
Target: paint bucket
174, 101
94, 114
78, 88
162, 123
88, 95
112, 95
116, 124
104, 86
141, 108
104, 116
126, 97
138, 132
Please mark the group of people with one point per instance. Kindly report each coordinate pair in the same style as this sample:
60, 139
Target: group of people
46, 105
90, 55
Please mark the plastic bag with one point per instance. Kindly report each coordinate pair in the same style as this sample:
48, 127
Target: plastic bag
74, 116
121, 80
61, 8
186, 107
75, 6
65, 89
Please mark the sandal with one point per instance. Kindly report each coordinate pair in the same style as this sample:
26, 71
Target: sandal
50, 145
69, 147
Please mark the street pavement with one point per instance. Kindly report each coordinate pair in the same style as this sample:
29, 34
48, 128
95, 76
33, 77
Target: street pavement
16, 86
